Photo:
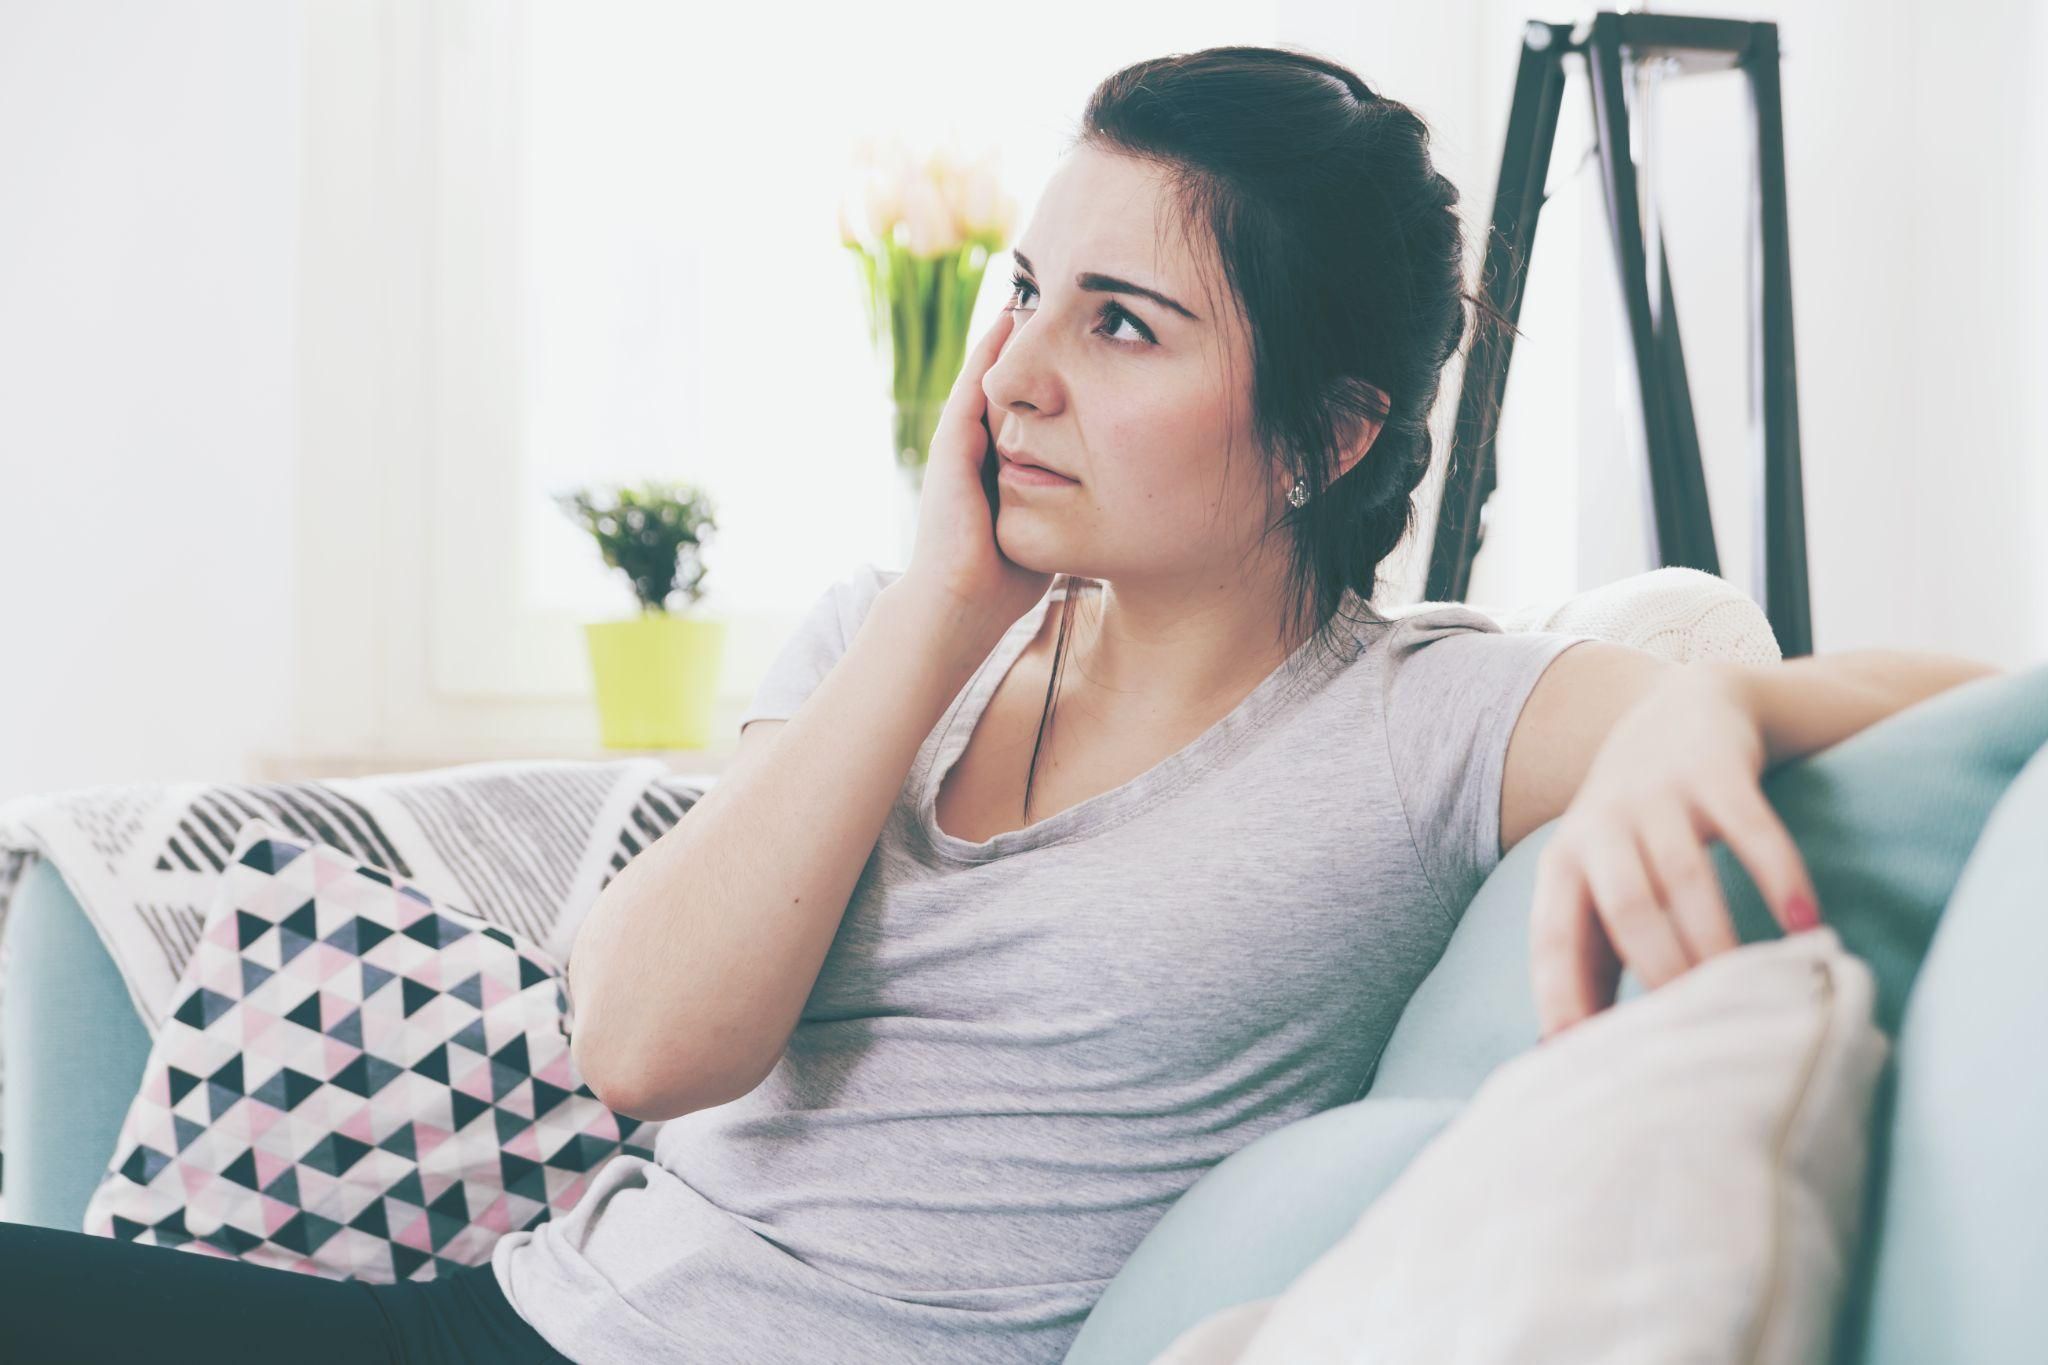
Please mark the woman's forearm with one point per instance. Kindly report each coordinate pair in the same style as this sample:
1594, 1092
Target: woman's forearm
690, 971
1806, 704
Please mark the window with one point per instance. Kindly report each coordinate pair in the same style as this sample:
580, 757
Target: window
637, 273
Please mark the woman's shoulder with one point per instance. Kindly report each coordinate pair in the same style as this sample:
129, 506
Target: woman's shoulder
1370, 639
816, 644
864, 580
1409, 628
845, 602
871, 575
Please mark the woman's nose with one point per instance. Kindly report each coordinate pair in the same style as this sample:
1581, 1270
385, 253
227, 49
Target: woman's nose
1018, 380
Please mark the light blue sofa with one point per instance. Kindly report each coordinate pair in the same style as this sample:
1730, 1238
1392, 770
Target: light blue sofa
1932, 825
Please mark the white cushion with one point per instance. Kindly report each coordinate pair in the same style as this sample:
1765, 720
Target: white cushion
1677, 613
1678, 1177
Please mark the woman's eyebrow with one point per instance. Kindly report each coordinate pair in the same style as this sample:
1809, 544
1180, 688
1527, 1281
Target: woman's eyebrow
1110, 284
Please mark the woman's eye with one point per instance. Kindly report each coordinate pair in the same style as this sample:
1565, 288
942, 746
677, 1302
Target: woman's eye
1113, 314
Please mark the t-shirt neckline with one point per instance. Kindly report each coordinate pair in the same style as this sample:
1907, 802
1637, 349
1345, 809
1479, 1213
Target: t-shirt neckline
1300, 670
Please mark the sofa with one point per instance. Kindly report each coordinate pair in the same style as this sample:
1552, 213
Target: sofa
1957, 1242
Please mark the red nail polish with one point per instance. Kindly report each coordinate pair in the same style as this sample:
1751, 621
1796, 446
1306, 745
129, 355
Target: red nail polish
1800, 911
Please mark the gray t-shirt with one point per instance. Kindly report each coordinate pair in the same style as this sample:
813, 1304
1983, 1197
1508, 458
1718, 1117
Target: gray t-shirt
1019, 1052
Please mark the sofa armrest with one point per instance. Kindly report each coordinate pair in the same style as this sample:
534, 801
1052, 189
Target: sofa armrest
74, 1051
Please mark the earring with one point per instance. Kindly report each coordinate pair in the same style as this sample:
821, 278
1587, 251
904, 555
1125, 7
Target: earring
1299, 493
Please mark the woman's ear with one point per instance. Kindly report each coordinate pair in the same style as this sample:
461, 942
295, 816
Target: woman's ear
1358, 411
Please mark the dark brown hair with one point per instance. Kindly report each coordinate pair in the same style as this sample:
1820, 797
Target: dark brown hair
1343, 249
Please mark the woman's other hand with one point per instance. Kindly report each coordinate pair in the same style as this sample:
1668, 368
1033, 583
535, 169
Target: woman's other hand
1626, 877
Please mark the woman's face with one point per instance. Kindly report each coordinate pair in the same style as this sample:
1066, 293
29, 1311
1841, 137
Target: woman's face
1135, 399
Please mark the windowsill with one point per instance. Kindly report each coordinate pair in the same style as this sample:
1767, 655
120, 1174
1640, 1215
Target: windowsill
276, 767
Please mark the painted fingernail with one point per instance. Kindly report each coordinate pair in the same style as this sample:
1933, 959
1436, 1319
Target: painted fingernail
1800, 911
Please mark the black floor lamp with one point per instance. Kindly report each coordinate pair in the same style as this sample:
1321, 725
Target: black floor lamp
1681, 524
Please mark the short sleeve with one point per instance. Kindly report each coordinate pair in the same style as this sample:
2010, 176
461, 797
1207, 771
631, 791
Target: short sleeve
817, 644
1453, 687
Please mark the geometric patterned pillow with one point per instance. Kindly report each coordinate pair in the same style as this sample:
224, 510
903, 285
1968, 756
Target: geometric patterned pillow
355, 1081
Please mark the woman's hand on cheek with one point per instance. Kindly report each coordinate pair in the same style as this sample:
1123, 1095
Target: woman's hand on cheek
1626, 878
956, 554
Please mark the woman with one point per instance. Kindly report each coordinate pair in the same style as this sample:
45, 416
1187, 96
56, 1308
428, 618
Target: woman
945, 1003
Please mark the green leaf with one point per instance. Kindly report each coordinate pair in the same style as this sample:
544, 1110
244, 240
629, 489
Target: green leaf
652, 533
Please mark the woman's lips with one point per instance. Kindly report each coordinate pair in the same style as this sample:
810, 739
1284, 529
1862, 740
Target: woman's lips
1018, 472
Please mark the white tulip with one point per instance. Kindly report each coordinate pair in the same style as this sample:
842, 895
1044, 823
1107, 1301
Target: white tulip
883, 211
889, 172
979, 202
928, 220
938, 199
855, 183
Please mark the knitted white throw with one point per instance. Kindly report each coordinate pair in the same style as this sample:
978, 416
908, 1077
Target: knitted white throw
1680, 614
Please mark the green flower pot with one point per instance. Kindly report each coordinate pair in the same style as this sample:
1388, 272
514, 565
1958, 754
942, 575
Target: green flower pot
656, 676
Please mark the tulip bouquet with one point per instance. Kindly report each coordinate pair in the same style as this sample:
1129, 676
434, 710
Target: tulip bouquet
922, 229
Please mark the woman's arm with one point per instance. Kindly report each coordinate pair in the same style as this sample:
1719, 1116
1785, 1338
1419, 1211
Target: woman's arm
690, 971
1643, 762
1807, 704
1799, 706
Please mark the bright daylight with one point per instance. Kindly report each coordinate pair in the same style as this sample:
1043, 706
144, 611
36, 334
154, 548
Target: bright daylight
1268, 682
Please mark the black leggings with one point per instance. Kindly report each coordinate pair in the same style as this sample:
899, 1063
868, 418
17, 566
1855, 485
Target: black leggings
76, 1296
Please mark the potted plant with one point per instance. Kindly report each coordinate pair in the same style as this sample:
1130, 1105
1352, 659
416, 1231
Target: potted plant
656, 672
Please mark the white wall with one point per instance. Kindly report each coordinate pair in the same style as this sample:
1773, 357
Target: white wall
149, 163
2031, 309
1908, 131
1916, 148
